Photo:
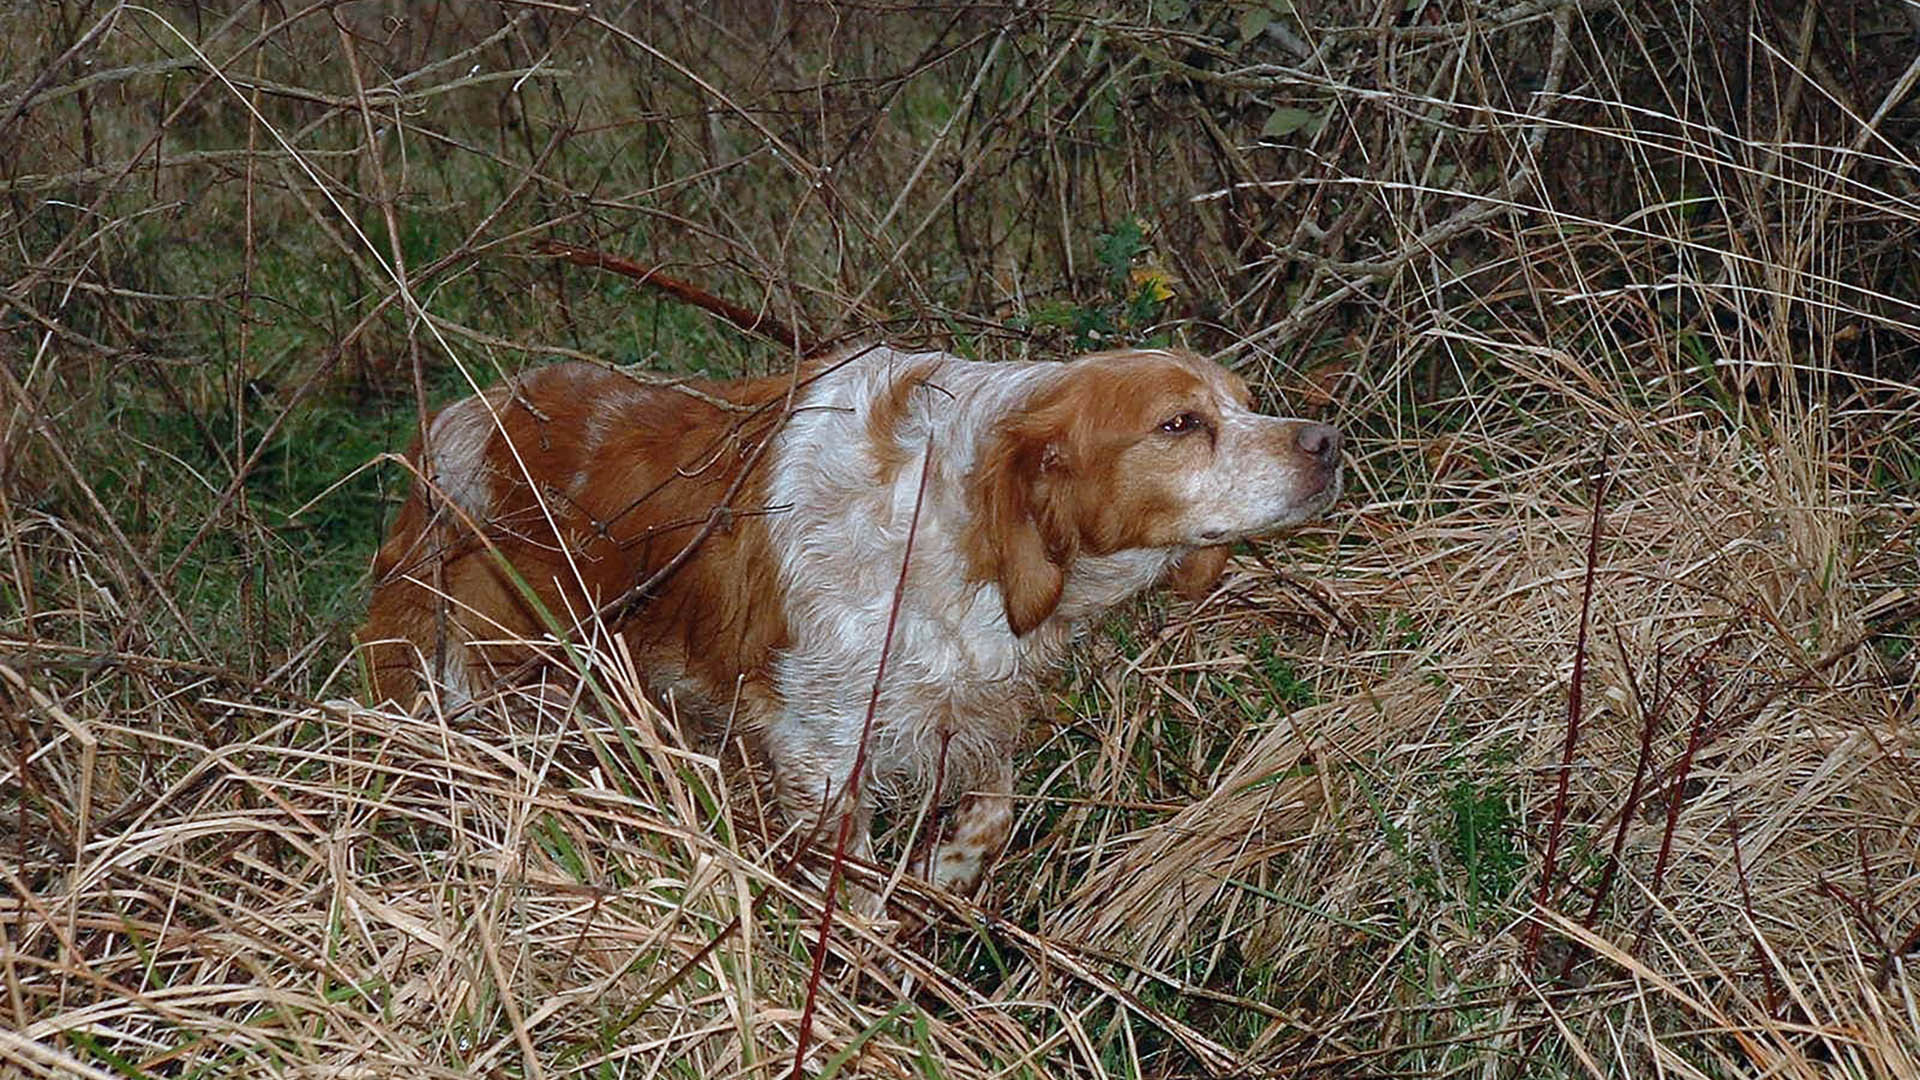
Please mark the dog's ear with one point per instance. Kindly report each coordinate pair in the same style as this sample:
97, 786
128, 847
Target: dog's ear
1194, 575
1022, 537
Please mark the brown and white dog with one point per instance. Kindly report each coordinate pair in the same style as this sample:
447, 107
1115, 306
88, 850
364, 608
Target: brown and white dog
782, 510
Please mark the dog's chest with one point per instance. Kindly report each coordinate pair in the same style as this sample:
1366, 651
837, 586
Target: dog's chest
849, 511
947, 642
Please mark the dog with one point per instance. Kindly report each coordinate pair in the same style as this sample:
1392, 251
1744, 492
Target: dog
764, 545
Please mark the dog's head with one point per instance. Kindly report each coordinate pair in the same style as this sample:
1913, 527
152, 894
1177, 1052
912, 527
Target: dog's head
1135, 450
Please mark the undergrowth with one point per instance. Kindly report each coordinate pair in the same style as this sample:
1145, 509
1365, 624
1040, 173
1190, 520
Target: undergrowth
1299, 828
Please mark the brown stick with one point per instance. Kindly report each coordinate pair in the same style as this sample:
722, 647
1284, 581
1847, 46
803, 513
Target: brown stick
753, 322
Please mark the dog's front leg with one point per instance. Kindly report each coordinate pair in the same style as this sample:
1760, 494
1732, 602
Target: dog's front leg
827, 817
972, 835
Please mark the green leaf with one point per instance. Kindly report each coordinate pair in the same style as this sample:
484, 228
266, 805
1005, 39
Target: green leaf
1116, 249
1285, 121
1252, 22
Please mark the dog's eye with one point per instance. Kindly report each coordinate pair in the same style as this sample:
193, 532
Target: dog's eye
1183, 423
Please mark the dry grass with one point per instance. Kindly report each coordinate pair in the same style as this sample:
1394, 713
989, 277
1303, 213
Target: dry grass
1614, 303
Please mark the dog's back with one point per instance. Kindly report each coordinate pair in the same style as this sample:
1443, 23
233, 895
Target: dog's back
626, 478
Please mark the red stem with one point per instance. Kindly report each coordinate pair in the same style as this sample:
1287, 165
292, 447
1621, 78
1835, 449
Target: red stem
851, 797
1641, 759
1676, 794
1575, 695
1746, 903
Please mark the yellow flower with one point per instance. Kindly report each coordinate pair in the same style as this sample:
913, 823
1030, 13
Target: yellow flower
1153, 280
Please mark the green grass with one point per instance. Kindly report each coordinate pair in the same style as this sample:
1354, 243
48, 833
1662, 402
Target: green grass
1486, 842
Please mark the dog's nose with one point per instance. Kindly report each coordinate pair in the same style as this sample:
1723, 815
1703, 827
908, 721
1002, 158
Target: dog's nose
1319, 440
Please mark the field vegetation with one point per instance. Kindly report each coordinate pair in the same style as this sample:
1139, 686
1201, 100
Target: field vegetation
1582, 739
